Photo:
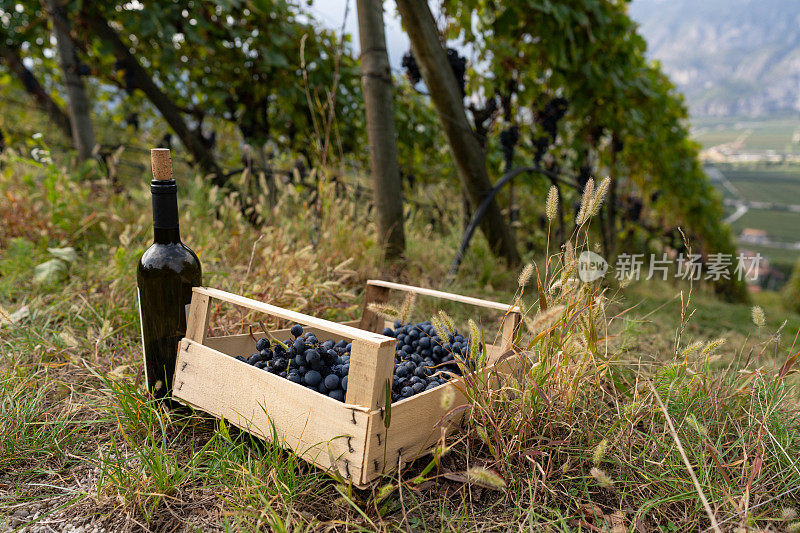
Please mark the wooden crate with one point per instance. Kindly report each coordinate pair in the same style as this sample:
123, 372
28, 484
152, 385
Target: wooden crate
351, 437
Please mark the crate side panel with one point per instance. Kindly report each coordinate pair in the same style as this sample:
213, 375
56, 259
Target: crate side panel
414, 428
320, 429
416, 423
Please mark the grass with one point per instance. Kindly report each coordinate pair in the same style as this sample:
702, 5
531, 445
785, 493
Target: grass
576, 439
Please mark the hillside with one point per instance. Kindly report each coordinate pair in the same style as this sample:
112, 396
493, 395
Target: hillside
729, 57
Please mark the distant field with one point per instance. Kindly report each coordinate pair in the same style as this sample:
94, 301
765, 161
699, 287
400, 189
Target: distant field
763, 183
779, 225
766, 183
773, 133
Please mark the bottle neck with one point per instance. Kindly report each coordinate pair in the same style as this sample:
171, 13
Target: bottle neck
166, 236
165, 211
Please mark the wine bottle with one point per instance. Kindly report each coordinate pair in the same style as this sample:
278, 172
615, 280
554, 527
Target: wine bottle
166, 274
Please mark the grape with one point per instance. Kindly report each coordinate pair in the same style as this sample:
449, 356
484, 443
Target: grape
332, 381
255, 358
337, 394
344, 383
262, 344
312, 378
297, 330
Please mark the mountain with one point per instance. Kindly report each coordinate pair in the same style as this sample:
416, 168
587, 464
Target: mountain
729, 57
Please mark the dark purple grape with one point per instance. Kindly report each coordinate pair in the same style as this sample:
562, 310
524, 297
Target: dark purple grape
337, 394
312, 378
344, 383
255, 358
297, 330
312, 356
262, 344
332, 382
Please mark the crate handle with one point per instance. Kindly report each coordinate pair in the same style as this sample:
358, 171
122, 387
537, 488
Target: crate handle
371, 354
203, 295
378, 291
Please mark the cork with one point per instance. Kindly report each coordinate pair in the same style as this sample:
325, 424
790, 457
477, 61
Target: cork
162, 163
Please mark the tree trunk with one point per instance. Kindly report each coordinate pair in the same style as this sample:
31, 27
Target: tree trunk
376, 80
446, 96
32, 86
77, 102
142, 80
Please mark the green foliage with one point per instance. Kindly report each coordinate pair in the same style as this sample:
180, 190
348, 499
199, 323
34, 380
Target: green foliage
623, 111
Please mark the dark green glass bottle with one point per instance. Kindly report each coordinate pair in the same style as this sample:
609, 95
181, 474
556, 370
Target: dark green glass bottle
167, 272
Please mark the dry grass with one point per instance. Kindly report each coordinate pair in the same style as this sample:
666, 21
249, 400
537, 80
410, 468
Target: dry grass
575, 438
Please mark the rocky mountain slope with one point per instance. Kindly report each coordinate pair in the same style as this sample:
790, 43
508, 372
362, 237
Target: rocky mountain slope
729, 57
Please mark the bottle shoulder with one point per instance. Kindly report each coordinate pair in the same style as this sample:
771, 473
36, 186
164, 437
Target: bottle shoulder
176, 257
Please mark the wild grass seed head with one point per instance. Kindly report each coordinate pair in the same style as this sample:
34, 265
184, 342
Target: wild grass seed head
586, 202
692, 348
447, 321
551, 207
525, 275
545, 320
713, 345
440, 327
600, 452
788, 514
385, 311
759, 319
600, 196
480, 475
603, 479
407, 307
475, 340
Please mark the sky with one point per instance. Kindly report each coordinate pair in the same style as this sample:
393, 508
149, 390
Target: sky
331, 12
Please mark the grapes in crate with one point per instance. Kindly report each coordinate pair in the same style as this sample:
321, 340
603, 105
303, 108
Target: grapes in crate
423, 360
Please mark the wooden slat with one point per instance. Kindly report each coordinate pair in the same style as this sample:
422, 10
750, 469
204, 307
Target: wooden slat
315, 426
370, 370
369, 320
197, 321
444, 295
300, 318
509, 330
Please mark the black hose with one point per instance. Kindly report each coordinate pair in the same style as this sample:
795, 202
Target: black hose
481, 211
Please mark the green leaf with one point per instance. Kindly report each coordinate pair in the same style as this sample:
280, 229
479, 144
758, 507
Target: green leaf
67, 254
49, 272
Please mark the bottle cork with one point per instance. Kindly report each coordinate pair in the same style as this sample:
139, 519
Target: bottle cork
162, 163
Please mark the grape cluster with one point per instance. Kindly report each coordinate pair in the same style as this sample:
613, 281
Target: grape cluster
458, 64
547, 117
322, 366
412, 69
423, 360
